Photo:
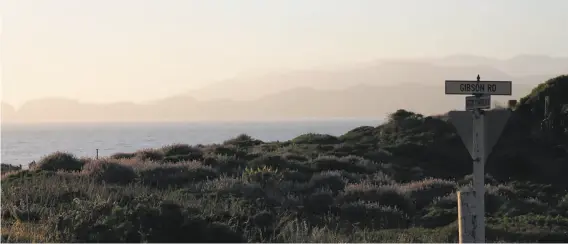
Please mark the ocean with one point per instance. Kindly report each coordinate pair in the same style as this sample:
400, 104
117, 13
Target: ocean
22, 144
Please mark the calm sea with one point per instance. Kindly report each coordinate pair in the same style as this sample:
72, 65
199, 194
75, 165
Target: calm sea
23, 143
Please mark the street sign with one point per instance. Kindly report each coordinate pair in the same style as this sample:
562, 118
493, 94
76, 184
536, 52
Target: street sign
468, 87
477, 102
462, 121
479, 131
495, 121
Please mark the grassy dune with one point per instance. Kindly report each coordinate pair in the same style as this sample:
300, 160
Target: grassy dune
396, 182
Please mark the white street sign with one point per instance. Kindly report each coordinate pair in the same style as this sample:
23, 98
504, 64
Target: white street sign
466, 87
474, 102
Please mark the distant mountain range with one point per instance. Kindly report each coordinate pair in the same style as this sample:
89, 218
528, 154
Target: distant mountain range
366, 90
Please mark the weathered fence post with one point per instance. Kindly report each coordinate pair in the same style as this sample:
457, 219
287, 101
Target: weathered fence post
466, 216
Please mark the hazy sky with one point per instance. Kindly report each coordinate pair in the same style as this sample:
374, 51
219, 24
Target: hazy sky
136, 50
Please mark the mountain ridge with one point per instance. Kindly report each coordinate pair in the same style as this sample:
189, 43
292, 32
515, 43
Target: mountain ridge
357, 91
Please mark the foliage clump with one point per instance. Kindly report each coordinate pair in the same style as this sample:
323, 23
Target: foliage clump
60, 161
109, 171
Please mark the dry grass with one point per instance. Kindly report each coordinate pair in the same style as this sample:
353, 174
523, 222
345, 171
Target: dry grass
18, 231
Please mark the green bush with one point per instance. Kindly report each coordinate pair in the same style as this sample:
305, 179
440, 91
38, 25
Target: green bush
563, 205
106, 222
373, 216
362, 134
184, 158
60, 161
174, 175
385, 195
319, 202
379, 178
225, 164
123, 155
314, 138
295, 176
179, 149
150, 155
109, 171
423, 192
326, 163
295, 157
437, 217
331, 180
243, 140
9, 168
269, 160
379, 155
264, 176
226, 150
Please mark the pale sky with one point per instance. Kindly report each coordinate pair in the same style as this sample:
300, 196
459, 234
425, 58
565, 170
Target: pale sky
136, 50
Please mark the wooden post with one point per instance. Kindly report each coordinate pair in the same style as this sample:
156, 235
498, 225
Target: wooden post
97, 154
466, 216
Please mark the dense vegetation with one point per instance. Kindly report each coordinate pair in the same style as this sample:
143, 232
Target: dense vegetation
396, 182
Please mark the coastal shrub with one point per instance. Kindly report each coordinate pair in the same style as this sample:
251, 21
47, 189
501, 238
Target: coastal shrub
174, 175
243, 140
137, 222
360, 134
149, 155
367, 164
251, 156
269, 160
319, 202
121, 155
24, 174
109, 171
372, 215
226, 150
386, 195
440, 212
342, 150
523, 206
296, 176
563, 205
331, 180
446, 202
303, 167
178, 149
326, 163
194, 156
8, 168
294, 157
225, 164
27, 213
424, 191
437, 217
263, 219
379, 178
60, 161
223, 186
379, 155
264, 176
314, 138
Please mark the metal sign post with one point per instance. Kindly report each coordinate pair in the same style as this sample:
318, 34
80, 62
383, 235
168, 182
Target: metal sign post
479, 174
479, 131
